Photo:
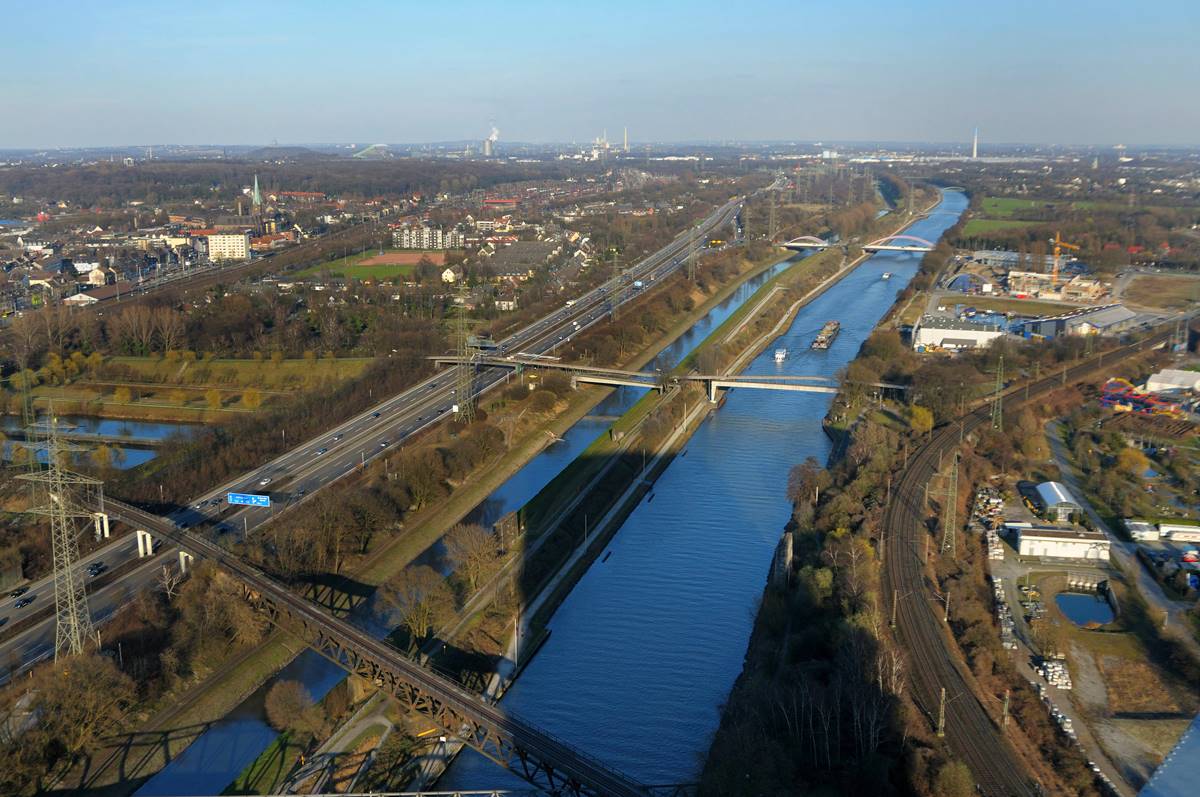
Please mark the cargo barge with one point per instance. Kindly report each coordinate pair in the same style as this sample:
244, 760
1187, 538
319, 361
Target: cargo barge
826, 336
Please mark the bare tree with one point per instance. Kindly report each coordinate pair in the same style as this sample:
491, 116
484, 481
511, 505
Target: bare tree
420, 598
169, 326
473, 551
169, 580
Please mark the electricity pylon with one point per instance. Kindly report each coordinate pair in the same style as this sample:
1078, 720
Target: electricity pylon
65, 497
465, 371
997, 398
772, 223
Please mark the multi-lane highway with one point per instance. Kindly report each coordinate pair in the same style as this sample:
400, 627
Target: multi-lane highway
294, 477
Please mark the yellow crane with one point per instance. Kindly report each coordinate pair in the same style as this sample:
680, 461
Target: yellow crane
1059, 246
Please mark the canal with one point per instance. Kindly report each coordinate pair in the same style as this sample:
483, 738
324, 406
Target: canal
220, 754
648, 644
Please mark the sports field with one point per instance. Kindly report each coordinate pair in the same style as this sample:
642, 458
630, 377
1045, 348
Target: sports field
984, 226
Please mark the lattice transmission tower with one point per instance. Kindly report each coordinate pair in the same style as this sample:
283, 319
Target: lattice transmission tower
464, 372
65, 498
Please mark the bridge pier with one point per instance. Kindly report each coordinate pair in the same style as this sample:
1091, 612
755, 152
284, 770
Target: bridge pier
711, 386
100, 519
185, 559
145, 543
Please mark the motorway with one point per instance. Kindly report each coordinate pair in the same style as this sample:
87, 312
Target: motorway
294, 477
934, 662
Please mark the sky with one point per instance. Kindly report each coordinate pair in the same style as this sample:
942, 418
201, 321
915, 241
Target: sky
1055, 72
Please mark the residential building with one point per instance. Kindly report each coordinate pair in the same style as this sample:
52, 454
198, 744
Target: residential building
427, 237
223, 245
1062, 542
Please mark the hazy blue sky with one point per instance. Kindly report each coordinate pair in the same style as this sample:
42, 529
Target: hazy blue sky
1059, 71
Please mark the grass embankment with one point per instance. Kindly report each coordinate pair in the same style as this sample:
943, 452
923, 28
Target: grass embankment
1166, 292
195, 391
179, 717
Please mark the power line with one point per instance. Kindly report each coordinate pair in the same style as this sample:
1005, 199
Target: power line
465, 370
997, 398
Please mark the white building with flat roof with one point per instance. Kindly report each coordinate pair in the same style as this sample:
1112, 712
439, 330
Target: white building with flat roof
947, 332
1141, 531
229, 246
1062, 542
1179, 532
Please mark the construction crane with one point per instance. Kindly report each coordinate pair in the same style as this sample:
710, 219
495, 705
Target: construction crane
1059, 246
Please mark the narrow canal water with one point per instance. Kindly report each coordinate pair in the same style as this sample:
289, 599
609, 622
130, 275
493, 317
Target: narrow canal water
220, 754
132, 442
646, 647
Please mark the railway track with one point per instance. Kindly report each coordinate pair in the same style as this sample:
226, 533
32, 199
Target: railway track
971, 732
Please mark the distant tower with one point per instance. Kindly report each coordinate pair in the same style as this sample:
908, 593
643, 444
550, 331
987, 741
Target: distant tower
256, 196
489, 143
975, 145
627, 139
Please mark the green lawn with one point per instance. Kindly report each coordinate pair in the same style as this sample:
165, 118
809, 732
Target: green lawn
984, 226
351, 268
1002, 207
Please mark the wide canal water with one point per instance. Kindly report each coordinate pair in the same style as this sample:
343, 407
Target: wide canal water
648, 644
220, 754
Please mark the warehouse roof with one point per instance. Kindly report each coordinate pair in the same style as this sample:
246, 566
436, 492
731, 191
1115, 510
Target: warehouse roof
1062, 533
1173, 379
1053, 493
930, 321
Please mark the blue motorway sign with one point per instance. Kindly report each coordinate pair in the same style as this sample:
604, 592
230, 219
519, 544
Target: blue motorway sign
248, 499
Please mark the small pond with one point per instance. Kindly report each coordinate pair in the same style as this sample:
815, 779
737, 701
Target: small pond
1085, 608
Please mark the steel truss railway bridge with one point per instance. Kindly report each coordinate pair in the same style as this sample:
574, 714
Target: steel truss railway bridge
615, 377
889, 243
529, 752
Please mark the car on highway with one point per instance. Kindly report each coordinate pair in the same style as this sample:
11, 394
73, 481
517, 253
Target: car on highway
264, 481
21, 604
383, 443
3, 621
337, 437
18, 592
321, 451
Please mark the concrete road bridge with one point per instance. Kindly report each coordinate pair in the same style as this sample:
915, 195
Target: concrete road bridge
615, 377
529, 752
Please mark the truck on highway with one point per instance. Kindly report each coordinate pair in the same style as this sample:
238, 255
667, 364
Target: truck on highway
638, 285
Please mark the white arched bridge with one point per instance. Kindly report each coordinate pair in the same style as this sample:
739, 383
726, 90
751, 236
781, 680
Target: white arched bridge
889, 243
